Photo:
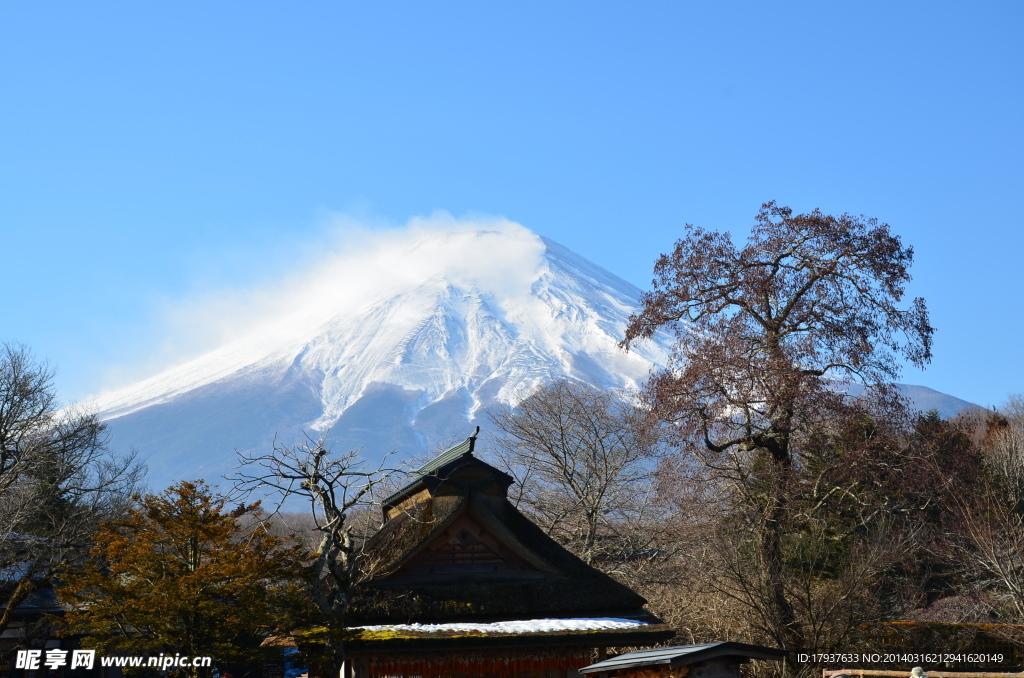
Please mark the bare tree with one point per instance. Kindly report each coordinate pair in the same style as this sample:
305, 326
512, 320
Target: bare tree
583, 461
993, 517
994, 543
335, 488
299, 525
764, 335
1003, 445
58, 478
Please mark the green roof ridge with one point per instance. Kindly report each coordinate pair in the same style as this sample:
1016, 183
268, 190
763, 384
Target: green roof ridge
448, 456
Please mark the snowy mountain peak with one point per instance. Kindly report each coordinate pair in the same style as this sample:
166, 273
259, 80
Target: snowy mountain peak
398, 343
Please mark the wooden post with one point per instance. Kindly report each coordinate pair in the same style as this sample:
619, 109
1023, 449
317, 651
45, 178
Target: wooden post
360, 667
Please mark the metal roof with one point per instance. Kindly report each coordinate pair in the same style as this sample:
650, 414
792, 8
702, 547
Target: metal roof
683, 655
451, 454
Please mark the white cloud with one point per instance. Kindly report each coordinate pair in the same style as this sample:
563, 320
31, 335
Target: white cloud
355, 261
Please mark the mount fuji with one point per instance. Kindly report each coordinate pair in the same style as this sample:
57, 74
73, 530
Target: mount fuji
399, 346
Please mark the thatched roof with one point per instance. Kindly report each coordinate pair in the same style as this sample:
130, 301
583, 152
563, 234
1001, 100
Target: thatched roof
456, 548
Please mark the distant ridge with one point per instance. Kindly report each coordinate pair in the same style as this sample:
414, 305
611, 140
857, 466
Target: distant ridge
926, 399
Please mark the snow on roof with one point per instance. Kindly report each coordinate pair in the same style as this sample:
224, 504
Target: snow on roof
520, 626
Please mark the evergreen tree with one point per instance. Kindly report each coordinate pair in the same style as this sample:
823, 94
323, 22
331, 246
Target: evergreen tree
179, 574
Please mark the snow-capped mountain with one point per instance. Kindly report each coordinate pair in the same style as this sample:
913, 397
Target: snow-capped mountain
400, 346
401, 350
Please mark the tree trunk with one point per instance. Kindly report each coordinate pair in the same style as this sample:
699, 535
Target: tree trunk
783, 622
335, 651
21, 591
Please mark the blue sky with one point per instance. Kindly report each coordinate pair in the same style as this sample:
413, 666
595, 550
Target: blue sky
152, 154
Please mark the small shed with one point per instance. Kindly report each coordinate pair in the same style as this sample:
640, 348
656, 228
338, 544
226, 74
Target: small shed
461, 583
708, 660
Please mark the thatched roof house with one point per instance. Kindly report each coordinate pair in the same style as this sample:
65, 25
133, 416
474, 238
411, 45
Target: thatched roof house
462, 583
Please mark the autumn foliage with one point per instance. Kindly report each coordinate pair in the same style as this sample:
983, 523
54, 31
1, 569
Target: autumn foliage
178, 574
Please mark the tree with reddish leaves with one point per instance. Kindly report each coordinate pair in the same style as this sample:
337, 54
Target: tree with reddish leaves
765, 331
772, 338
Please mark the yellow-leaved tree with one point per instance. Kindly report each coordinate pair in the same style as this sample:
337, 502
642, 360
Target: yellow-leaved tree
180, 575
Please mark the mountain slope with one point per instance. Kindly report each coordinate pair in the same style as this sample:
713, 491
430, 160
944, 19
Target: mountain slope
401, 347
402, 362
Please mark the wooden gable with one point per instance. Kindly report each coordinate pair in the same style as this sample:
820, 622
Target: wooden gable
464, 547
